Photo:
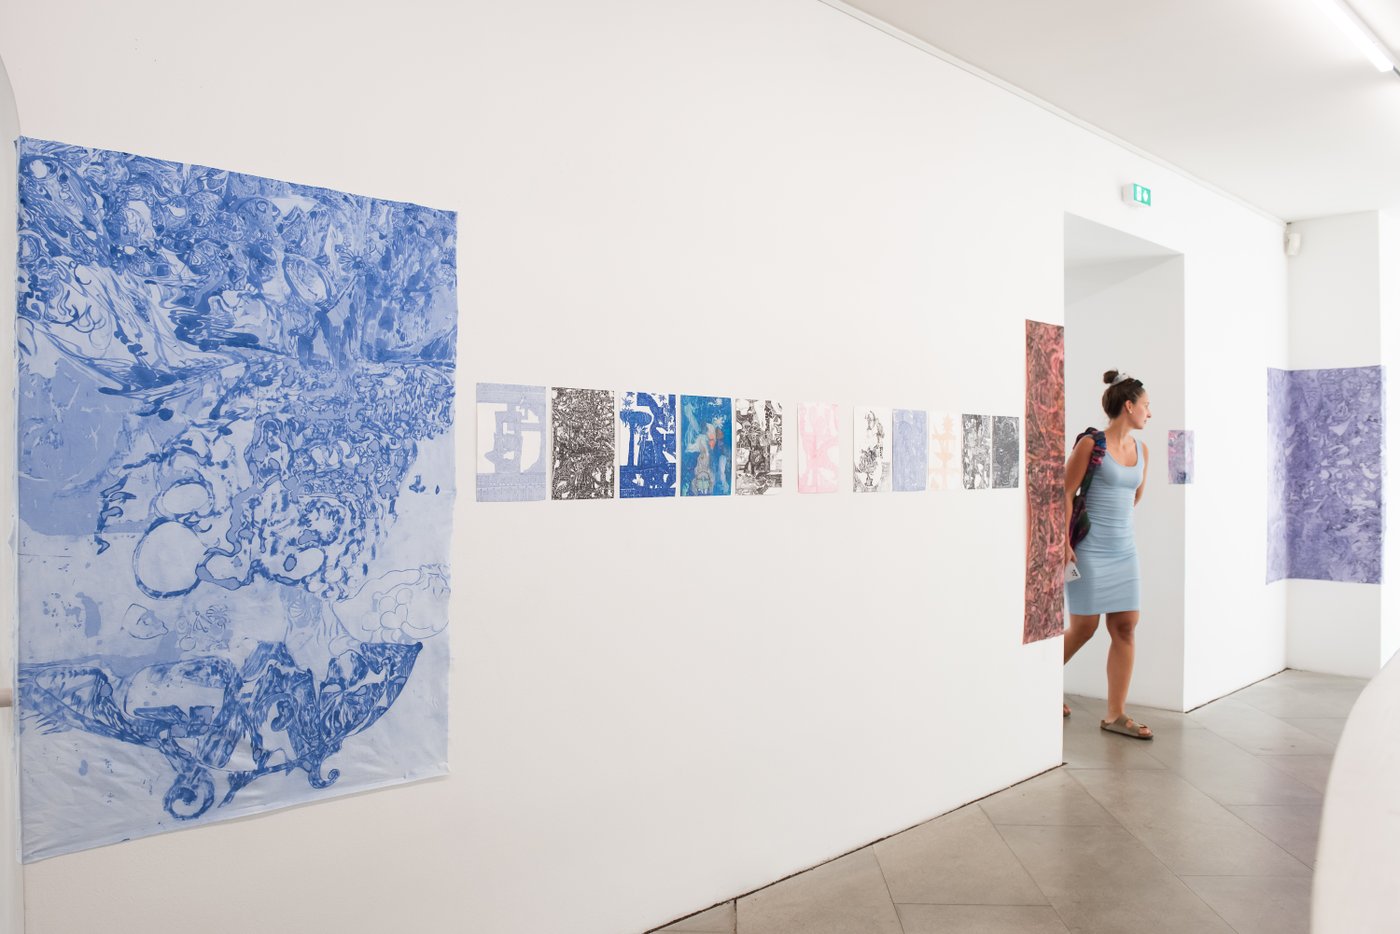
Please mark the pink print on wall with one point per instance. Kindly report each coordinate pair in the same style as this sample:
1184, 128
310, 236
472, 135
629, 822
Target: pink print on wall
819, 446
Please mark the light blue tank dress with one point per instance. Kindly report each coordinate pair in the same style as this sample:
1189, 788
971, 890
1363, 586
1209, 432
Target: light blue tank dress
1107, 557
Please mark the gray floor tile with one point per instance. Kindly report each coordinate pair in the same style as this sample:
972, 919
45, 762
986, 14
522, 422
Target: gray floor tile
1088, 747
957, 859
1292, 826
1052, 798
1227, 773
1311, 771
1257, 732
845, 896
718, 920
1328, 728
980, 919
1083, 861
1164, 910
1185, 829
1257, 906
1302, 701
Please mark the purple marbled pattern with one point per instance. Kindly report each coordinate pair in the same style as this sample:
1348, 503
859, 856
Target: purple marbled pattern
1326, 433
1181, 455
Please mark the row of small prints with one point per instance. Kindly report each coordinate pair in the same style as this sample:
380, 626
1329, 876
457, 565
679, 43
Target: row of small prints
634, 445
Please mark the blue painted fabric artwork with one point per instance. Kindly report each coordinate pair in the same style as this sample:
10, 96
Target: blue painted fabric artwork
1326, 473
910, 451
707, 444
510, 449
646, 446
236, 462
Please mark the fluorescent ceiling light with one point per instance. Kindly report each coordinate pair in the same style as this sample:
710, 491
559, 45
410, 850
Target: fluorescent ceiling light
1361, 36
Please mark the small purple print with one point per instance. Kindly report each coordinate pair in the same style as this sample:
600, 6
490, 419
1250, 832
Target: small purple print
1181, 456
1326, 431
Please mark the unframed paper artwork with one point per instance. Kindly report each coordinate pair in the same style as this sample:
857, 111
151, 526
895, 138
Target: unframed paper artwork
509, 442
1046, 523
871, 430
646, 450
758, 447
1006, 452
1326, 505
976, 452
581, 423
707, 442
1181, 456
818, 446
910, 451
236, 461
944, 451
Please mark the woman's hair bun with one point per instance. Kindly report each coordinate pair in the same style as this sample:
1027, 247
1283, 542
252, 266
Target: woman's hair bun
1110, 376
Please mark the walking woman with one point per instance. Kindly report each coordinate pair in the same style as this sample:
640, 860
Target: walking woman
1106, 556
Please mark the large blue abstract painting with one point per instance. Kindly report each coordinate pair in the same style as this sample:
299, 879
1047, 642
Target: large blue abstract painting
646, 450
1326, 510
707, 445
236, 481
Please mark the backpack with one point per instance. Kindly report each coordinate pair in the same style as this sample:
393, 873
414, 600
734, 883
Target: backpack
1079, 513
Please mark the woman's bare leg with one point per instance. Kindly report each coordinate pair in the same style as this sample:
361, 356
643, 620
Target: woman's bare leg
1081, 628
1121, 651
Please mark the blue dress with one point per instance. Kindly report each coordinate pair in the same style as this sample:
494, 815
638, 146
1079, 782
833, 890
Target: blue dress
1107, 557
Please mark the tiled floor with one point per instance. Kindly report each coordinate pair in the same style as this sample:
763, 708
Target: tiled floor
1210, 827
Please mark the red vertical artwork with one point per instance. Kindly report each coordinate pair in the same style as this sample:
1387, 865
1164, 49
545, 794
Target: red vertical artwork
1045, 481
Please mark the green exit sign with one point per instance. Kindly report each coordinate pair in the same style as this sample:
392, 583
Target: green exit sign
1138, 194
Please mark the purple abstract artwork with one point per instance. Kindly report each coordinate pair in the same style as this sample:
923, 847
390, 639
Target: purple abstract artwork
1326, 434
1181, 456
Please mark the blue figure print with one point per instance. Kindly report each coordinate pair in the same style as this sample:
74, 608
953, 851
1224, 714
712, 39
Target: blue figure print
235, 408
707, 436
647, 454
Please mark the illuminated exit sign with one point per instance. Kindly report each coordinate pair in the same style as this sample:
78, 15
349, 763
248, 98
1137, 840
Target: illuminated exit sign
1138, 194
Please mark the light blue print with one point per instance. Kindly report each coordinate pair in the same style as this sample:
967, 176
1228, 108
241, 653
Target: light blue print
235, 420
707, 444
910, 450
510, 442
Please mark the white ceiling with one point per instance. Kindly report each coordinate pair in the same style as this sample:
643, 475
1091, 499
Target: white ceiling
1264, 99
1091, 244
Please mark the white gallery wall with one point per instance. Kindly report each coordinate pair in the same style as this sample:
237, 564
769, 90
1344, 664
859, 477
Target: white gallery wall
1335, 320
1128, 315
660, 705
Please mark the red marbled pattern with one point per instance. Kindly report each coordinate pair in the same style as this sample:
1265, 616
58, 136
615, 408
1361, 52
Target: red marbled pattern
1045, 481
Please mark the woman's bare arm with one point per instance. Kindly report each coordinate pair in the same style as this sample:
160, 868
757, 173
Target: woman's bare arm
1075, 469
1137, 497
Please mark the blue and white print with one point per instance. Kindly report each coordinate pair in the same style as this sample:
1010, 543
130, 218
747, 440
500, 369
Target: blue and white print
646, 448
510, 451
707, 445
236, 461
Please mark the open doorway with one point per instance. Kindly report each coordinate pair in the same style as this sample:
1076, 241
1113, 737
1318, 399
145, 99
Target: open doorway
1125, 310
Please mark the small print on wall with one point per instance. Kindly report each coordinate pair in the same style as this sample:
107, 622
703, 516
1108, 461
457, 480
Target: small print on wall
1326, 503
758, 447
707, 440
509, 443
944, 451
646, 451
1181, 456
871, 432
581, 423
1006, 452
818, 446
911, 444
1046, 522
976, 452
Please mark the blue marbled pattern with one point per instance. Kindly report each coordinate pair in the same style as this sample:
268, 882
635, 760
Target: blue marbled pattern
235, 414
1326, 432
910, 450
1181, 456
